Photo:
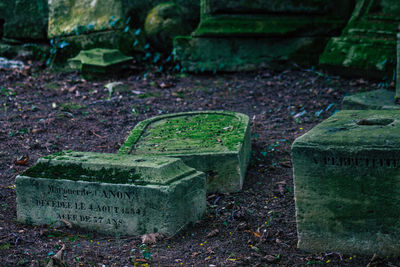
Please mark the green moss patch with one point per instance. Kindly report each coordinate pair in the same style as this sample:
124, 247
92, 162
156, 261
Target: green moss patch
109, 168
188, 132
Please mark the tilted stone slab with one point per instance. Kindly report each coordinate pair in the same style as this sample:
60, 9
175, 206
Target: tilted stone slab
214, 142
377, 99
115, 194
346, 177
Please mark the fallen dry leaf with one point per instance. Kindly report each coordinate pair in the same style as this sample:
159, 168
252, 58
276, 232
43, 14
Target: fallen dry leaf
67, 223
23, 161
213, 233
58, 259
150, 238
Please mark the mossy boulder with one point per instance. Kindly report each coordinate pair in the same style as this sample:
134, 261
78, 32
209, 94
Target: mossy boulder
25, 19
163, 23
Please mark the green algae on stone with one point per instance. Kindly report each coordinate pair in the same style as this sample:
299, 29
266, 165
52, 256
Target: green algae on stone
346, 176
215, 142
110, 193
246, 35
367, 45
98, 60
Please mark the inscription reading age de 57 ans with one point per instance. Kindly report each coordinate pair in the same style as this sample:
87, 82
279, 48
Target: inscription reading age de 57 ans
357, 162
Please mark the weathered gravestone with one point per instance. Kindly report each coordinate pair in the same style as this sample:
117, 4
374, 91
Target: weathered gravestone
214, 142
346, 178
367, 45
239, 34
99, 61
377, 99
117, 194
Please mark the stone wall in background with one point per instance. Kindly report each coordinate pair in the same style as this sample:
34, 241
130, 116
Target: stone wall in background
244, 35
25, 19
367, 45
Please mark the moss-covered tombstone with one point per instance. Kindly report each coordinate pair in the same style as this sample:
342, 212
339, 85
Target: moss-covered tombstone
346, 178
214, 142
367, 45
99, 61
115, 194
236, 35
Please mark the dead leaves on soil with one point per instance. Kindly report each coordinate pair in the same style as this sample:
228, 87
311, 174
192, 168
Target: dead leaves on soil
150, 239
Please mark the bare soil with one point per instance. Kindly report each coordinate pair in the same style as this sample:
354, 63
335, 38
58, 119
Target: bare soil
43, 112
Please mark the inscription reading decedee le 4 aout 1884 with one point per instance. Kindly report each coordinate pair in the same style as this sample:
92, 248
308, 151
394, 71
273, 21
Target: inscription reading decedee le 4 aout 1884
111, 193
69, 210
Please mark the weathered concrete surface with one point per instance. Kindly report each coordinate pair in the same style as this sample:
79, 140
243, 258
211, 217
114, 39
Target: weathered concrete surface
367, 45
214, 142
228, 26
346, 176
115, 194
25, 19
377, 99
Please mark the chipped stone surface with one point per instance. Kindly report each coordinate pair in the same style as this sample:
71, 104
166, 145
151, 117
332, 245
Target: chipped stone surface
115, 194
214, 142
346, 176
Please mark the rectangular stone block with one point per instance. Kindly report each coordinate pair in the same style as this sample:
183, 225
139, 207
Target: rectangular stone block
346, 177
115, 194
214, 142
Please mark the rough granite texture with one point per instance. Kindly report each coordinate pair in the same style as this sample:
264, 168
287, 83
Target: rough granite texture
377, 99
367, 45
114, 194
346, 177
214, 142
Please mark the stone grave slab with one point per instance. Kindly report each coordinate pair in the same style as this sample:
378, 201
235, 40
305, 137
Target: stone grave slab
214, 142
376, 99
99, 60
245, 35
367, 46
114, 194
346, 177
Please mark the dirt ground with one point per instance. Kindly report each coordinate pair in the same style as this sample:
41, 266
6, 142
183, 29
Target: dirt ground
43, 112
